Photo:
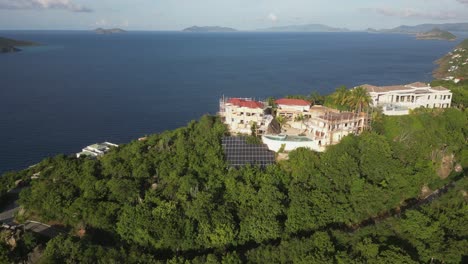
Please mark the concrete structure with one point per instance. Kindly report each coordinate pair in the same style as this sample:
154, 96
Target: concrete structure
96, 150
241, 114
328, 126
320, 127
399, 99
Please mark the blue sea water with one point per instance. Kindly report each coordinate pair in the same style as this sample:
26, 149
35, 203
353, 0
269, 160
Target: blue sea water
80, 88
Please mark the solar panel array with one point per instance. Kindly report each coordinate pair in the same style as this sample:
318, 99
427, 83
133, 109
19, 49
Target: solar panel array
240, 153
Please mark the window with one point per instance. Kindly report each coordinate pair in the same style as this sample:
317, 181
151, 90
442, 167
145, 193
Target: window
435, 97
428, 97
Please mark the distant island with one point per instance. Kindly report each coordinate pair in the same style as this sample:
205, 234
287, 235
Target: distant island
403, 29
209, 29
453, 27
372, 30
436, 34
109, 31
305, 28
10, 45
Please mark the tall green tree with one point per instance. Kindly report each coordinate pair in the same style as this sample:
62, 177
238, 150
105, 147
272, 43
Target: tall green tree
341, 96
359, 99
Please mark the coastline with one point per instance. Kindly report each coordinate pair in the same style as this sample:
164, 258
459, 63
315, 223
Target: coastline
454, 64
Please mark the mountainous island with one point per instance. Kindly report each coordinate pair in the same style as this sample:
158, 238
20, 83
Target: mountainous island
109, 31
436, 34
305, 28
209, 29
452, 27
10, 45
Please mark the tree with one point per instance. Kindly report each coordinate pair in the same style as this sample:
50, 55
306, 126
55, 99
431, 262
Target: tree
281, 120
341, 96
253, 128
359, 99
316, 98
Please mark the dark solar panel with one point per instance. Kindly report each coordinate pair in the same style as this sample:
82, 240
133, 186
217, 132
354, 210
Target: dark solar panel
240, 153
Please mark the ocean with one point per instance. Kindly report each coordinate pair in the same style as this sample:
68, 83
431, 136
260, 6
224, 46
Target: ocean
80, 88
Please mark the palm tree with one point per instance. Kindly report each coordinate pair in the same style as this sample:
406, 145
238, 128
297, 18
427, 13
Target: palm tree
281, 120
316, 98
340, 96
359, 99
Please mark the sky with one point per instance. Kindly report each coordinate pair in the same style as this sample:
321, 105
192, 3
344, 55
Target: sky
240, 14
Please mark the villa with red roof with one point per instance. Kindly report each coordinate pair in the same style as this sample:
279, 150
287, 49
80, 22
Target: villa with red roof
292, 108
243, 114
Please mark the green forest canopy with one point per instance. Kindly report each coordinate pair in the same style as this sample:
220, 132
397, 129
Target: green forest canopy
173, 198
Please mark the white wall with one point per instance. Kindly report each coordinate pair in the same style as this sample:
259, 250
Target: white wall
275, 145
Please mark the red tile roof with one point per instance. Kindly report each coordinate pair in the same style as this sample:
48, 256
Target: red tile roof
298, 102
245, 103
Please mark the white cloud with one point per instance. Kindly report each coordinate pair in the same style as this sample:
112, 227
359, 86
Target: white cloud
43, 4
273, 17
463, 2
412, 13
101, 22
125, 23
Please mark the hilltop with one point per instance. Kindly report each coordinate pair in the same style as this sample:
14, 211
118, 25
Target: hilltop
305, 28
436, 34
109, 31
209, 29
10, 45
174, 193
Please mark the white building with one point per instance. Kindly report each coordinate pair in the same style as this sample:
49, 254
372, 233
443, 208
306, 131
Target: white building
399, 99
96, 150
241, 114
292, 108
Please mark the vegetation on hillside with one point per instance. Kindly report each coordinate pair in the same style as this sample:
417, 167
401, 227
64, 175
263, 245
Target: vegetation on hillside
455, 64
172, 198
